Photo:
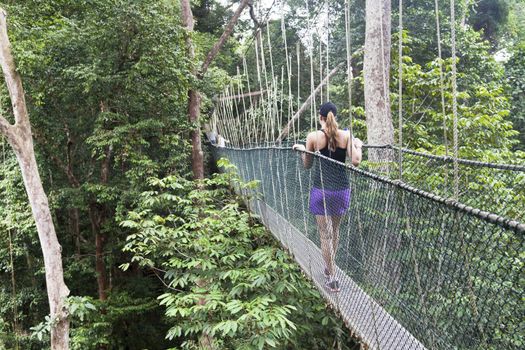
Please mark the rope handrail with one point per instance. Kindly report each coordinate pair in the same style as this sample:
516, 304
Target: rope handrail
449, 159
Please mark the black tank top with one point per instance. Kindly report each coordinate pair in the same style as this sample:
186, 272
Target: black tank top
329, 175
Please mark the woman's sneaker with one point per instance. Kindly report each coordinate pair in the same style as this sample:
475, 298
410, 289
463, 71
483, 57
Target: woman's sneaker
333, 286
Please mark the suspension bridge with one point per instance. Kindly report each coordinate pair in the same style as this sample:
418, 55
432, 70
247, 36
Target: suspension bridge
431, 252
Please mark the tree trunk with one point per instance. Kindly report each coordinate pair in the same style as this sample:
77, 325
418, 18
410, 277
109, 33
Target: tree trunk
380, 130
197, 156
194, 99
56, 288
20, 138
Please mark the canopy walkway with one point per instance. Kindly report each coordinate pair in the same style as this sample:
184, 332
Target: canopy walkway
417, 270
430, 253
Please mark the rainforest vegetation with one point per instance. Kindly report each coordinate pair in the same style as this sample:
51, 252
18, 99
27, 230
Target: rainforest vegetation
158, 253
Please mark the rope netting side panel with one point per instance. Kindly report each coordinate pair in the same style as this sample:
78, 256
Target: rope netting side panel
497, 188
416, 271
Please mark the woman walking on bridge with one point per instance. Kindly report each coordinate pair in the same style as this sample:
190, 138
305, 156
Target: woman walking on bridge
330, 194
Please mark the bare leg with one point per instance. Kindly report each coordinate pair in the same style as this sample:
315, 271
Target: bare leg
336, 223
324, 225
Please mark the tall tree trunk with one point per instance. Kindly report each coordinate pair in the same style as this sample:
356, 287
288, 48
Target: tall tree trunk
194, 99
56, 288
380, 130
20, 138
197, 156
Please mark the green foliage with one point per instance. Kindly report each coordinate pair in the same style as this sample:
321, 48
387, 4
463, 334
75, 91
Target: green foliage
485, 129
225, 278
515, 73
42, 330
106, 85
124, 317
491, 17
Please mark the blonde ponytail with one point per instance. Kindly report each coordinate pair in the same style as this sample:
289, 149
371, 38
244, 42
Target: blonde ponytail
331, 131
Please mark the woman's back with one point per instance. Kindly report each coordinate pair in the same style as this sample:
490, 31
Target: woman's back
328, 174
320, 140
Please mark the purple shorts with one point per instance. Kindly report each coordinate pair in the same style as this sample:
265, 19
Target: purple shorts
329, 202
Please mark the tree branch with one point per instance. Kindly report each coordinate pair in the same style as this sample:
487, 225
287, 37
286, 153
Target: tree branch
252, 15
225, 35
12, 78
5, 127
308, 101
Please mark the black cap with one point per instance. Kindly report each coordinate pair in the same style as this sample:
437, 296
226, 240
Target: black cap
326, 108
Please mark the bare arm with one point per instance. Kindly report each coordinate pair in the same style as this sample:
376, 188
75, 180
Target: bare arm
306, 157
354, 150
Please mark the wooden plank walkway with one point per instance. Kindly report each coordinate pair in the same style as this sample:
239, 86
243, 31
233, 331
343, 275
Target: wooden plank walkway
368, 320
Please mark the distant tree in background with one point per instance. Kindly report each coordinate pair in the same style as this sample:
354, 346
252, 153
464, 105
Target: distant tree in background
491, 17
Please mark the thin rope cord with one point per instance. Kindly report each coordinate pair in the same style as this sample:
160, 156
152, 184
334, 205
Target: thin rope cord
349, 72
327, 26
266, 111
245, 131
258, 66
232, 105
288, 73
227, 130
277, 111
298, 89
234, 115
282, 188
301, 191
263, 59
441, 77
225, 126
442, 92
454, 98
312, 75
270, 48
400, 93
281, 98
383, 63
220, 113
252, 114
321, 68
